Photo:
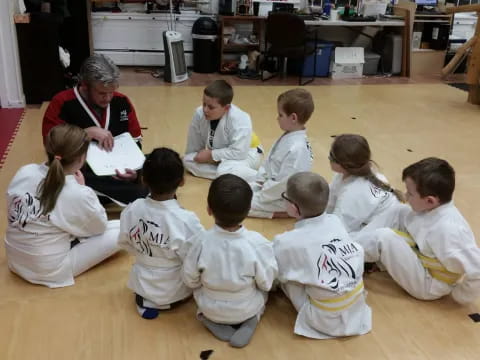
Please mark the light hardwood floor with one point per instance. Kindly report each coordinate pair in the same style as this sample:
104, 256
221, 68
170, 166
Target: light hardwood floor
96, 318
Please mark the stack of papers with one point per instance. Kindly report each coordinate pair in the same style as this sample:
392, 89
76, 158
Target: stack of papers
124, 155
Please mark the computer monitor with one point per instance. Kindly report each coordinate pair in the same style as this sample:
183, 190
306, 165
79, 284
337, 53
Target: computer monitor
422, 3
282, 7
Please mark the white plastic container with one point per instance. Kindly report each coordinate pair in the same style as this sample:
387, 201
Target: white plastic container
348, 63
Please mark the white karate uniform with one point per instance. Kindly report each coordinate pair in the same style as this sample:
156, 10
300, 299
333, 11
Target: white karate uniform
38, 246
321, 270
231, 145
442, 234
231, 273
158, 234
290, 154
356, 201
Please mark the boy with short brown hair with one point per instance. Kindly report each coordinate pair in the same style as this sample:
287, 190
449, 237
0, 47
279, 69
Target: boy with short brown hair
428, 247
290, 154
220, 138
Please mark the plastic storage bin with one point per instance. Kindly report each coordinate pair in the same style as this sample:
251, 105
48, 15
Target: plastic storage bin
348, 62
323, 53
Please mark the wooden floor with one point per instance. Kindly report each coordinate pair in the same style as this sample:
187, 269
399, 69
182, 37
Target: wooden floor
96, 318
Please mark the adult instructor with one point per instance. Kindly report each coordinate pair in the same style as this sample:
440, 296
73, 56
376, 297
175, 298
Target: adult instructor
96, 106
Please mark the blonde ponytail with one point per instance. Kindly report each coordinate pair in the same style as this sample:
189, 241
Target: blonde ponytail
51, 186
64, 145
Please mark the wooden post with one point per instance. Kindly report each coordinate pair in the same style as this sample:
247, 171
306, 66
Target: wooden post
459, 55
407, 10
473, 71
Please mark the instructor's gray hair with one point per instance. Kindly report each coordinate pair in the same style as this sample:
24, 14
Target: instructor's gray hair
99, 68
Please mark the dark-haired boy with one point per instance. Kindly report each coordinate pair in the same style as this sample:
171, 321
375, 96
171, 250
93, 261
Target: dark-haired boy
320, 268
220, 138
158, 232
230, 267
428, 247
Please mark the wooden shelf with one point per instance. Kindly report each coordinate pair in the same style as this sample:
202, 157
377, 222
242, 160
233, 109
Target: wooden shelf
235, 50
427, 50
424, 61
446, 16
234, 47
433, 21
239, 18
427, 61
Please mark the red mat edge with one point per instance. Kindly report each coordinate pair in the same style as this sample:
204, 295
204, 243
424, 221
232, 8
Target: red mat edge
12, 138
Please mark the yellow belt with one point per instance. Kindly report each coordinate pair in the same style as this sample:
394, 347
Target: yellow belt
255, 142
434, 267
339, 303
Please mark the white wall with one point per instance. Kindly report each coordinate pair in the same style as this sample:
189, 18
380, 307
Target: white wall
11, 91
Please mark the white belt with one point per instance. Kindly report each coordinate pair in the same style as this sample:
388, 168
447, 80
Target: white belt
157, 261
35, 263
229, 295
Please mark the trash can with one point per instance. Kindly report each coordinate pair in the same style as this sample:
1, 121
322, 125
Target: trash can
205, 45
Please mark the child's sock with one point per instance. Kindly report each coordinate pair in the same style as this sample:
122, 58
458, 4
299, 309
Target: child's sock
148, 313
221, 331
145, 308
242, 336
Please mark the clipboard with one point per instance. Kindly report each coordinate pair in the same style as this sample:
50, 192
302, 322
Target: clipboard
125, 155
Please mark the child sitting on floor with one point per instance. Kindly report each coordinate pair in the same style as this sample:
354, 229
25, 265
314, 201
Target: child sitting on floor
358, 193
290, 154
57, 228
230, 267
428, 247
220, 137
320, 267
158, 232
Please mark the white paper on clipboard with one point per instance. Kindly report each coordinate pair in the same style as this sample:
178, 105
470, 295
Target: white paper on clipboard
125, 155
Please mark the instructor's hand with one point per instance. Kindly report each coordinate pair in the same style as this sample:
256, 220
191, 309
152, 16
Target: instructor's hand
129, 175
104, 137
79, 177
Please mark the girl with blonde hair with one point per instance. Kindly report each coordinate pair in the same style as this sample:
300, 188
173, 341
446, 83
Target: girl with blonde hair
57, 227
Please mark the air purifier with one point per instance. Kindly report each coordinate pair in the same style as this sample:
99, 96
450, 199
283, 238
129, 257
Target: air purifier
175, 66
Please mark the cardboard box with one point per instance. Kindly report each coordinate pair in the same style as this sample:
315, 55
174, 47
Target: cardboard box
348, 63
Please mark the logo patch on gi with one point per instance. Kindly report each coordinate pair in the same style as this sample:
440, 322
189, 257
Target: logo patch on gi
123, 115
309, 147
